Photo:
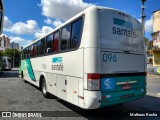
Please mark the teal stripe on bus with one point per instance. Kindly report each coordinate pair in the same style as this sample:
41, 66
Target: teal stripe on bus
30, 69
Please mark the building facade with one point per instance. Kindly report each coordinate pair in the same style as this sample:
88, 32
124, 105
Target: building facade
156, 29
14, 46
4, 42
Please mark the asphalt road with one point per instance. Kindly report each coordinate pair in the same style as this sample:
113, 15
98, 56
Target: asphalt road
15, 95
153, 86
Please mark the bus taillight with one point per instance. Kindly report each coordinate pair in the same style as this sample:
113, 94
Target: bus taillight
93, 81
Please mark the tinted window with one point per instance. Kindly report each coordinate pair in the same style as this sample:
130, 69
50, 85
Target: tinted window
43, 46
25, 53
34, 52
65, 37
49, 41
76, 33
38, 47
31, 51
22, 55
56, 42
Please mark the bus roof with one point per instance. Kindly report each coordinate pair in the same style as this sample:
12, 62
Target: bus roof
73, 18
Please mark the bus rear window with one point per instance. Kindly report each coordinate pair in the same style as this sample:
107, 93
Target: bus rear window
120, 31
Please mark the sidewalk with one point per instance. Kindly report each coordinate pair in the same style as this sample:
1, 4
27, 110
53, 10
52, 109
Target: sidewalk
152, 76
15, 68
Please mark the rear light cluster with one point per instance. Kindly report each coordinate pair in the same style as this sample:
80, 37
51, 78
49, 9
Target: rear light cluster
93, 81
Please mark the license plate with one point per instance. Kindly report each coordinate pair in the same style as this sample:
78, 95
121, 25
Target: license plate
126, 96
126, 87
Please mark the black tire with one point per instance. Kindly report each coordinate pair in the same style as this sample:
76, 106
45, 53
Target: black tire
43, 89
23, 78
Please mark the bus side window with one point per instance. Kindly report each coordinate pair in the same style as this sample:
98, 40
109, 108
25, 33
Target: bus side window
34, 52
49, 43
27, 52
65, 37
31, 51
43, 46
76, 33
22, 54
38, 47
56, 41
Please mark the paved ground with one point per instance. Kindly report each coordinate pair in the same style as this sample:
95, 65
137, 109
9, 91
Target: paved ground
153, 86
15, 95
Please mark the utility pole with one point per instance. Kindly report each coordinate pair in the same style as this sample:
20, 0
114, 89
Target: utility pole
143, 25
143, 17
14, 53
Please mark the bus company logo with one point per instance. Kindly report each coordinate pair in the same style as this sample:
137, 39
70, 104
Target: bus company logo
122, 23
57, 60
128, 31
58, 65
108, 83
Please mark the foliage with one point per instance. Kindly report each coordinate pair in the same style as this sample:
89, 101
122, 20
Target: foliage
10, 53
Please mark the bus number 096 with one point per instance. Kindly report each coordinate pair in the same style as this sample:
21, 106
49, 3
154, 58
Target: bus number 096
109, 57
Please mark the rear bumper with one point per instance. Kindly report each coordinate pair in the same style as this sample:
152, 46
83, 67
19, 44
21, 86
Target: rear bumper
99, 99
121, 97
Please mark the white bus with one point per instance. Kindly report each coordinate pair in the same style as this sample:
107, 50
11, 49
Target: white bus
93, 60
1, 16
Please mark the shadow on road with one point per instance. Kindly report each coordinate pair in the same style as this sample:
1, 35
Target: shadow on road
119, 111
9, 74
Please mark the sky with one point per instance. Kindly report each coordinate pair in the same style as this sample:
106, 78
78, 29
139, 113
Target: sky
27, 20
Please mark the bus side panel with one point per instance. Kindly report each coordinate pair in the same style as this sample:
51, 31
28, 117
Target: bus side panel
28, 73
81, 93
72, 90
51, 83
62, 87
91, 62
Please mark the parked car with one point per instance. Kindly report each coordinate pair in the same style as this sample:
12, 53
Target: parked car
1, 65
7, 62
157, 70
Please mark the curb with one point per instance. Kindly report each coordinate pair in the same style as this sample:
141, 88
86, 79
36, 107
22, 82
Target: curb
154, 95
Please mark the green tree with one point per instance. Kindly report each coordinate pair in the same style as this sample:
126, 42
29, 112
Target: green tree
10, 53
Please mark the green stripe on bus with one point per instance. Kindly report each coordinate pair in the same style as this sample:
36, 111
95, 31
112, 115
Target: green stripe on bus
26, 64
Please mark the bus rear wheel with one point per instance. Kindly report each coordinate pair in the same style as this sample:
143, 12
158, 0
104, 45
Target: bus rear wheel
44, 89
